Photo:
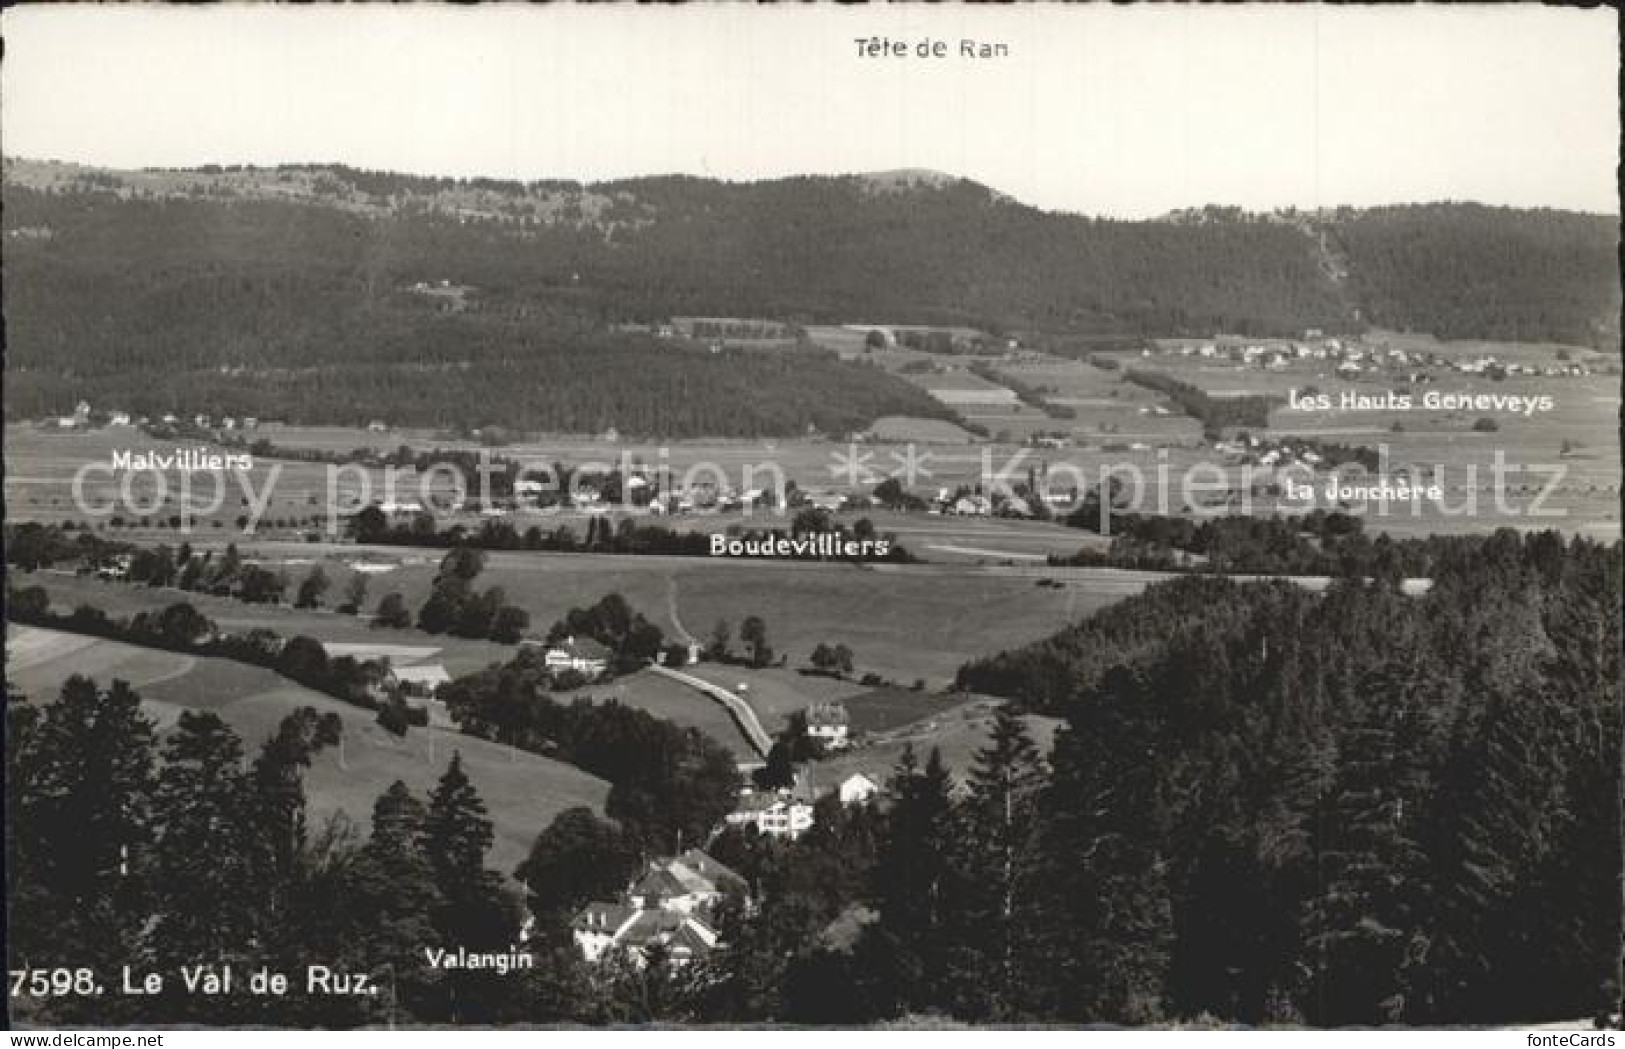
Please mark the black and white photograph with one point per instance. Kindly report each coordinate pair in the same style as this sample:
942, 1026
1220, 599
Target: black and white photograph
898, 518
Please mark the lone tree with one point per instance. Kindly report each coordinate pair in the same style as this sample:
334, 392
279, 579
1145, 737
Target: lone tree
509, 624
392, 613
721, 640
312, 589
355, 593
369, 524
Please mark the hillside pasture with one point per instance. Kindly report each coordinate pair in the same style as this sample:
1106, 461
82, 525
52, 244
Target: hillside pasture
775, 693
348, 634
671, 701
522, 791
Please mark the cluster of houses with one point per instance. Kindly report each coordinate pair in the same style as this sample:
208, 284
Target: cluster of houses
422, 681
1356, 357
671, 908
1266, 452
788, 812
965, 503
83, 418
829, 724
657, 495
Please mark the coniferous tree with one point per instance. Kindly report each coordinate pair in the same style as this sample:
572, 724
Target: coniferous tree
1365, 935
312, 589
1105, 871
475, 911
81, 815
996, 944
915, 884
394, 899
205, 866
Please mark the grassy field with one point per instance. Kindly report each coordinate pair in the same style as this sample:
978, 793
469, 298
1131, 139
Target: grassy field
903, 429
674, 702
884, 710
775, 693
903, 622
522, 791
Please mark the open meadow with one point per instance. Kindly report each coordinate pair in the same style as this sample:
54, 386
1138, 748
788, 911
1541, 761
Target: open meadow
902, 621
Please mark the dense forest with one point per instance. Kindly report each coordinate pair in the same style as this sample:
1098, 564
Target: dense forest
1355, 807
329, 306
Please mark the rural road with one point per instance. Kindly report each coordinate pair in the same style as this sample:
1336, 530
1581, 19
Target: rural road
671, 610
742, 713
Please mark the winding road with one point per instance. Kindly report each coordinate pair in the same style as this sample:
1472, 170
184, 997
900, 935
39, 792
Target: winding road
741, 711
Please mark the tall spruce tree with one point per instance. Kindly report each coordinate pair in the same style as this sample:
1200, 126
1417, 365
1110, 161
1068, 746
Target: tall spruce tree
915, 882
475, 910
1105, 869
79, 819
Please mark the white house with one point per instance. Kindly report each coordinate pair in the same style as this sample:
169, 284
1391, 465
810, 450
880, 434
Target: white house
857, 789
583, 655
776, 814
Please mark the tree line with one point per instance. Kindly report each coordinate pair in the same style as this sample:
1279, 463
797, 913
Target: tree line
179, 627
1214, 413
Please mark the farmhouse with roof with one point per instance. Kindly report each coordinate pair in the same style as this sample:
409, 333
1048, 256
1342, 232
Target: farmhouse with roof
583, 655
670, 908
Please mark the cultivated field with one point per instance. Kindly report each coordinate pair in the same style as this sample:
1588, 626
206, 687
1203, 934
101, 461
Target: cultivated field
1118, 424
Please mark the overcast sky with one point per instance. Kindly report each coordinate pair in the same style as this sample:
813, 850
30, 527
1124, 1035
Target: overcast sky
1105, 110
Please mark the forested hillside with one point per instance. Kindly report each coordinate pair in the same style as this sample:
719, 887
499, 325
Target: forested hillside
489, 302
1351, 808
